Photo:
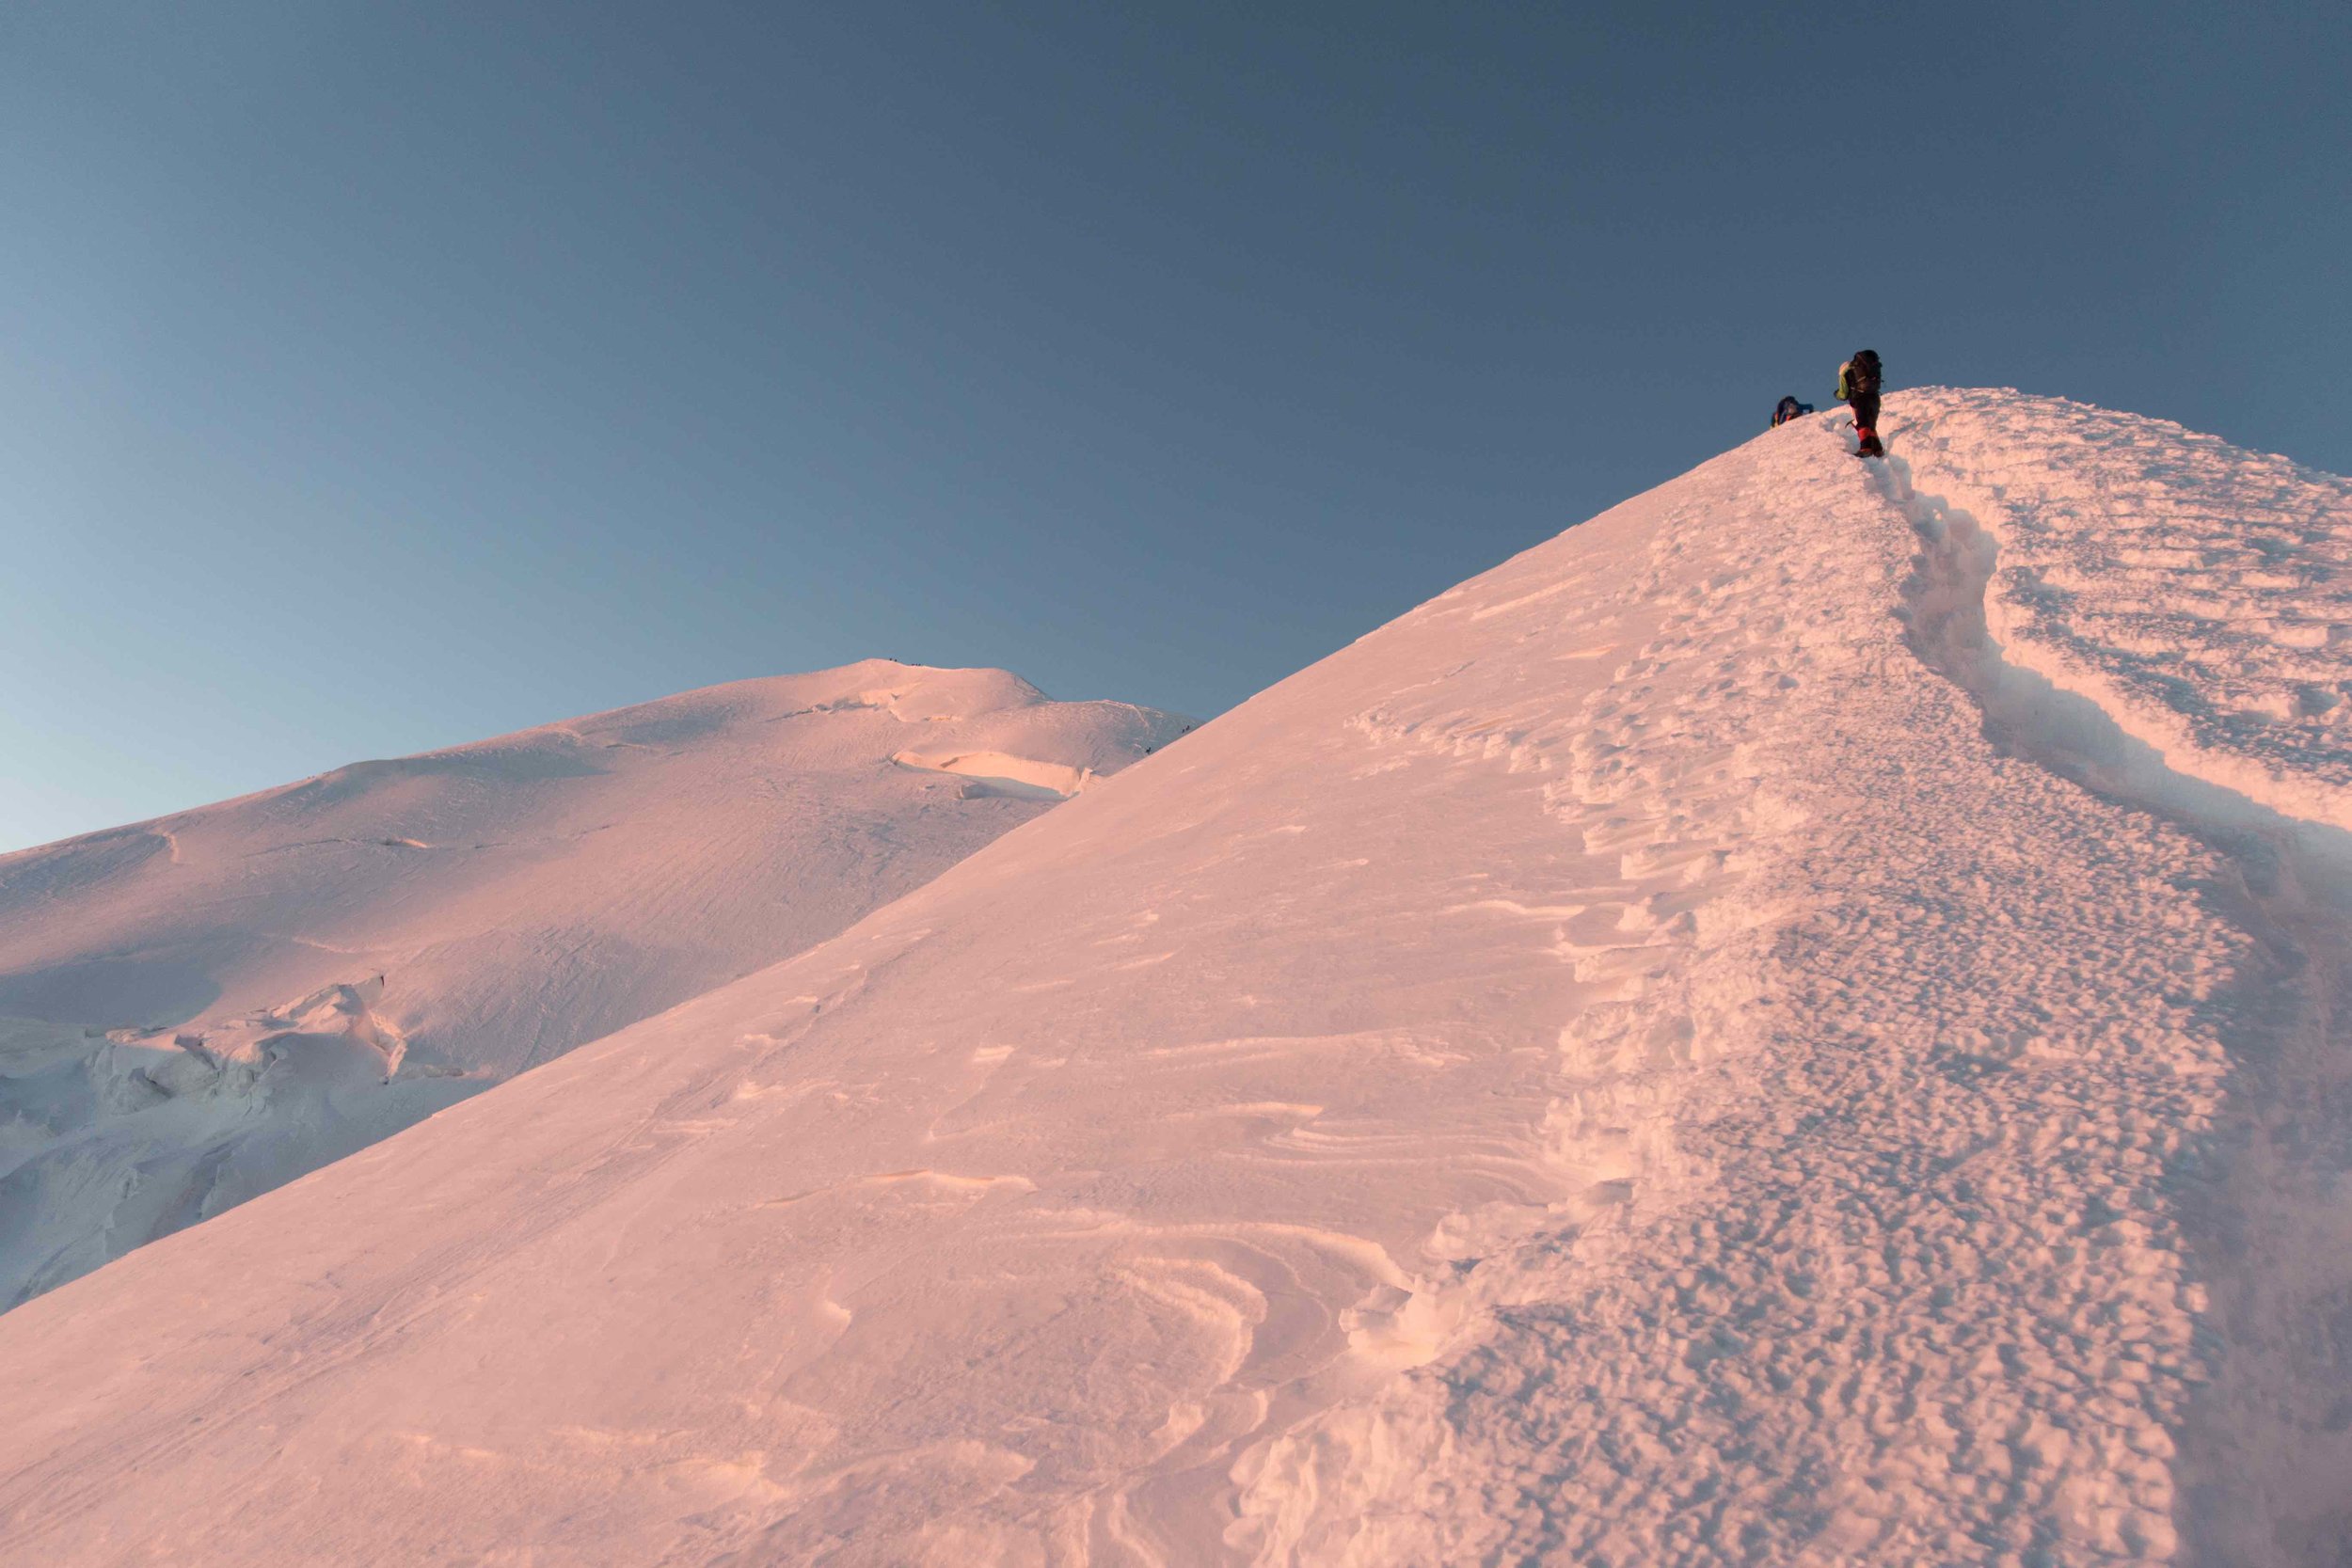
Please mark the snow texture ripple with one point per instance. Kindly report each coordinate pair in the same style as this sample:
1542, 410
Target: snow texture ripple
1741, 1035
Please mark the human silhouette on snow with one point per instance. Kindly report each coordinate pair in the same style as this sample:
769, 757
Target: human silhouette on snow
1858, 384
1790, 408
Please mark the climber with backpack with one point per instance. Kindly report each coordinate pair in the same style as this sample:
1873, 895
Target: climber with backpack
1858, 384
1790, 408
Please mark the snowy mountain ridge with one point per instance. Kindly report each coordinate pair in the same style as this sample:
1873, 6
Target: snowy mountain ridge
197, 1008
1794, 1023
2196, 594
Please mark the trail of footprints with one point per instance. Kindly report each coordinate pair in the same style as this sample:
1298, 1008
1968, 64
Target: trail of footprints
1873, 1260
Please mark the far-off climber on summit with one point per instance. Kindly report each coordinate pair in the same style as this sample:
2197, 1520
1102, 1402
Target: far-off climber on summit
1858, 384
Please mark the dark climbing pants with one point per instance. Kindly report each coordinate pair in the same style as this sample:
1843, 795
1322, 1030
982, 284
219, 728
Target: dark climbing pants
1865, 414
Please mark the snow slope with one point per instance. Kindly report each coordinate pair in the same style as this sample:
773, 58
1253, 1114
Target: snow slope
1682, 1050
195, 1009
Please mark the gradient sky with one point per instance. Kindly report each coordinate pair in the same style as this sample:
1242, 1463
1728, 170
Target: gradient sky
383, 377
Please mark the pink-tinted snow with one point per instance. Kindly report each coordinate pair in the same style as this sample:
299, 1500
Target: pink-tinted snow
1683, 1050
198, 1008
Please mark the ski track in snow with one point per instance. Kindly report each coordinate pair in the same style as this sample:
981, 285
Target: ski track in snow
1741, 1035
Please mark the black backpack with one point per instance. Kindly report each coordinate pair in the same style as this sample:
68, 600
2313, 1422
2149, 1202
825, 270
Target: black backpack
1863, 371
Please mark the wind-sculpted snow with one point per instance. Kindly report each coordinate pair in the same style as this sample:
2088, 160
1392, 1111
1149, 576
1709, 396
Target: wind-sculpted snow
1906, 1288
195, 1010
1676, 1052
2199, 594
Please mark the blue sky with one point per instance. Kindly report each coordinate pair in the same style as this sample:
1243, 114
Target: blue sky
383, 377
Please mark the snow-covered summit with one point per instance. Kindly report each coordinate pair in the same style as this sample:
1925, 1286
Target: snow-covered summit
1682, 1050
197, 1008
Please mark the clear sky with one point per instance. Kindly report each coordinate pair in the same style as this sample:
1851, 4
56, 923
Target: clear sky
380, 377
